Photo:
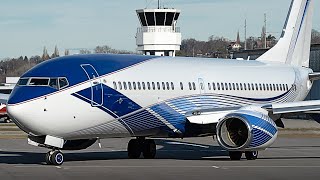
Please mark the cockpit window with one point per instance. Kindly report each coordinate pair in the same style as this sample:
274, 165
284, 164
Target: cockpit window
63, 82
39, 82
23, 81
54, 83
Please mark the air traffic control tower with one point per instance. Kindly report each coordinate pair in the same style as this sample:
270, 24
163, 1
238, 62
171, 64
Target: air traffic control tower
158, 34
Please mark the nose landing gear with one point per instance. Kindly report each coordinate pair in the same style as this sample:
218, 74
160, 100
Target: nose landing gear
141, 145
54, 157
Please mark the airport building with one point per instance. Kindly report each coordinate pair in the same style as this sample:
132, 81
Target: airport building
158, 34
314, 65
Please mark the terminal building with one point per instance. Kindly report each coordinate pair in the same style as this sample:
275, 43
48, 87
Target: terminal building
314, 65
158, 34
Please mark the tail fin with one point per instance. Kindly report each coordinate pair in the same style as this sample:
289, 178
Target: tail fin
293, 46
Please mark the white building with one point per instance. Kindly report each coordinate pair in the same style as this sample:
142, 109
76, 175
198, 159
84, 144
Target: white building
158, 34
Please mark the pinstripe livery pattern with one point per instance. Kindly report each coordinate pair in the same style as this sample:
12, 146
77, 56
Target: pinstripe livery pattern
169, 116
263, 128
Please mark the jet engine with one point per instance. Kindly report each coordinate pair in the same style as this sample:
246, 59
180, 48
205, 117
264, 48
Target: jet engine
246, 131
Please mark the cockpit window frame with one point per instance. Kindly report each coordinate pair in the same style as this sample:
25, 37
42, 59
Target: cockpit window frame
28, 79
46, 78
31, 78
65, 85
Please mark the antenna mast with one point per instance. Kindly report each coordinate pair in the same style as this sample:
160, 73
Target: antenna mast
265, 30
245, 34
158, 4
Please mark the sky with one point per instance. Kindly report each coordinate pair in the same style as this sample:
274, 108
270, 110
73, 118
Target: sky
29, 25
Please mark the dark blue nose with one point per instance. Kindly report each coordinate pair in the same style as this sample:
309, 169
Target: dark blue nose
25, 93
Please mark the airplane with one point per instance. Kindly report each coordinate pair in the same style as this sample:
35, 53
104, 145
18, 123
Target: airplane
4, 96
70, 102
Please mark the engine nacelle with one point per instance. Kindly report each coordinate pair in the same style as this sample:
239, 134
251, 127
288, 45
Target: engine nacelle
246, 130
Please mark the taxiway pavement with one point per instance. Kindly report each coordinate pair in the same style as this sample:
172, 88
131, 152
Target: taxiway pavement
195, 158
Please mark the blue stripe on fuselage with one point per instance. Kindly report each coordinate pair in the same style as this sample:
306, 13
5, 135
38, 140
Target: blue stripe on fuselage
114, 101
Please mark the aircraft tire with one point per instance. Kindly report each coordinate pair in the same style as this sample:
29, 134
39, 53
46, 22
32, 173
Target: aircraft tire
57, 158
47, 158
251, 155
235, 155
149, 149
134, 149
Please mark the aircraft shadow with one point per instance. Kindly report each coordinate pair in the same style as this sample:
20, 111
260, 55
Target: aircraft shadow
166, 150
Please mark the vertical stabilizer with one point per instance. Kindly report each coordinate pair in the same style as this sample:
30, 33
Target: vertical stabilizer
294, 44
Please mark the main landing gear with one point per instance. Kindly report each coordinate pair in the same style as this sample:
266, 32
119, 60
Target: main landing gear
141, 145
250, 155
54, 157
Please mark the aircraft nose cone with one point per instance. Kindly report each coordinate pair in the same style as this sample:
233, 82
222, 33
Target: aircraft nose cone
16, 114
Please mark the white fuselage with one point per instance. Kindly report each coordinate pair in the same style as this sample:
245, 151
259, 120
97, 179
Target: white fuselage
61, 114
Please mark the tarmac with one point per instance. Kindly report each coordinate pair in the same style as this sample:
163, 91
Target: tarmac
294, 155
195, 158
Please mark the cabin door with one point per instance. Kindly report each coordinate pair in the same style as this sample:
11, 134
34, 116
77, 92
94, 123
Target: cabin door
96, 85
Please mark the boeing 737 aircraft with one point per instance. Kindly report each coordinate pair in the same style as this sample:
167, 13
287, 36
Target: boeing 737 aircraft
69, 103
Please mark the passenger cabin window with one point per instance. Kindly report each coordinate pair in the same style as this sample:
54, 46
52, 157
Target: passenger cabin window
129, 85
148, 84
172, 86
158, 85
153, 86
181, 85
194, 86
124, 85
114, 85
120, 86
143, 86
139, 85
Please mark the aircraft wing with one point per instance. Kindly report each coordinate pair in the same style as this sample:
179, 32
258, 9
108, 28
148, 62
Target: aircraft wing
207, 116
295, 107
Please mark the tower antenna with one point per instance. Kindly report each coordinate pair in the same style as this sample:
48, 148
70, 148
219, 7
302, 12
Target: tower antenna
245, 34
158, 4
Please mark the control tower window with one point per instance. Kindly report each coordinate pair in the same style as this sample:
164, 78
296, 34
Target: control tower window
176, 16
142, 19
160, 18
150, 18
169, 18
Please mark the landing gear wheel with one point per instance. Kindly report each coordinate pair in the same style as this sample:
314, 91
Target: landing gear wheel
251, 155
56, 158
235, 155
48, 156
134, 149
149, 149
